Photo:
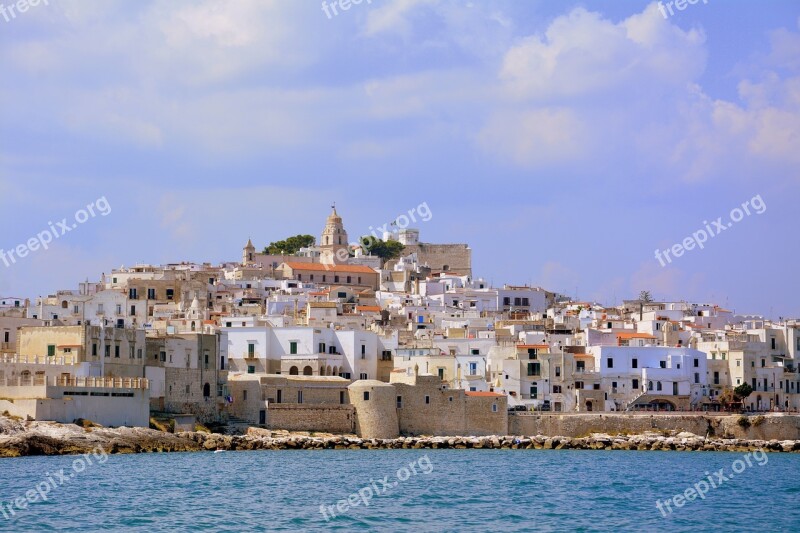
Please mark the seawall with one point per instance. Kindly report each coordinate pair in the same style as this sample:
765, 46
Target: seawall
759, 427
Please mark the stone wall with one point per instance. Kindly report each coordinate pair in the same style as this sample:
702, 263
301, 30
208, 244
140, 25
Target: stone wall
481, 419
765, 427
321, 418
456, 257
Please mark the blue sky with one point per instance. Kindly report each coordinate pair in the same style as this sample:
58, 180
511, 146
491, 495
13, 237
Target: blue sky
564, 141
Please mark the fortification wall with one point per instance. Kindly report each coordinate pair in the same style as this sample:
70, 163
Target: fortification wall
764, 427
322, 418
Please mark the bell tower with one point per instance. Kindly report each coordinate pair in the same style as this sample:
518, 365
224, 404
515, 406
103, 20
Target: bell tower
333, 244
248, 253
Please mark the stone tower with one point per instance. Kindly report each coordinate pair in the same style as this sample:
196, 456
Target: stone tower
333, 244
248, 253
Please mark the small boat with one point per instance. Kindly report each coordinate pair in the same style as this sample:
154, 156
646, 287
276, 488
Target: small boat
218, 451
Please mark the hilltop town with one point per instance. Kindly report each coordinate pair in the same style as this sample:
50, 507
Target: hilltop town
334, 338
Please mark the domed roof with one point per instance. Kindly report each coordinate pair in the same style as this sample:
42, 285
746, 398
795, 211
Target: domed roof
334, 217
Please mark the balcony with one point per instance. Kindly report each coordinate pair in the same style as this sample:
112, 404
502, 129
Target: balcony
252, 355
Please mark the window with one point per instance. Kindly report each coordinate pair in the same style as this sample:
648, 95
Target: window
763, 363
473, 369
635, 384
363, 350
151, 294
336, 279
427, 400
658, 386
108, 350
517, 301
170, 294
133, 294
556, 389
399, 402
251, 349
244, 395
649, 385
534, 390
51, 350
321, 347
366, 395
163, 356
506, 300
75, 311
580, 366
349, 279
525, 302
494, 407
476, 351
187, 389
342, 398
133, 310
222, 362
697, 377
293, 347
362, 376
662, 364
578, 385
716, 378
558, 371
773, 342
534, 369
610, 362
279, 396
132, 353
441, 373
634, 363
139, 353
299, 396
251, 369
696, 362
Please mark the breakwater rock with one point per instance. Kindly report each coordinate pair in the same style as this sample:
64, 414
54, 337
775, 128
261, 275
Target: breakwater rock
48, 438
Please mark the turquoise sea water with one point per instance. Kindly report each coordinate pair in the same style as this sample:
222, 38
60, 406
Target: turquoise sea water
452, 490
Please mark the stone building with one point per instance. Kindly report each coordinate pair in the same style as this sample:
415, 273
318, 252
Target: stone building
294, 403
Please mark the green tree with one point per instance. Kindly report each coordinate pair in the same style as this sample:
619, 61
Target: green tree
385, 250
742, 391
290, 245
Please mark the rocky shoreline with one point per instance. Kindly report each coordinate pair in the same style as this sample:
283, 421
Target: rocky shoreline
19, 439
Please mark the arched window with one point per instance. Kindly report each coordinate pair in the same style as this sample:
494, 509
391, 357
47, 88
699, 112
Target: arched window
293, 371
206, 390
307, 371
650, 385
64, 304
658, 385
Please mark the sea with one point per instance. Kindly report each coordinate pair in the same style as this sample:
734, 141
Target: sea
403, 490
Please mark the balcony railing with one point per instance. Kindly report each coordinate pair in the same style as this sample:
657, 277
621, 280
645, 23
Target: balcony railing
39, 359
87, 382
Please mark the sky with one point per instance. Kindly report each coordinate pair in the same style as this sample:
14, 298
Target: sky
565, 142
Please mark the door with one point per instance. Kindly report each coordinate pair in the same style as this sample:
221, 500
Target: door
674, 389
262, 417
